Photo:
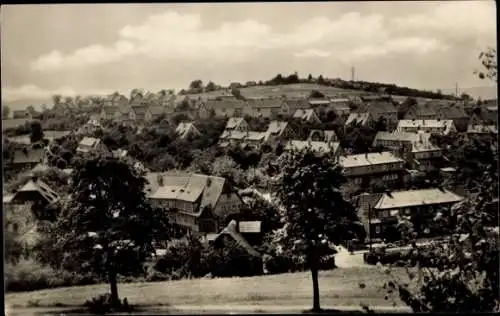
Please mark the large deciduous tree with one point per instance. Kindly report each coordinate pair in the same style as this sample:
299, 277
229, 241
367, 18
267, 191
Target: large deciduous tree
108, 227
316, 213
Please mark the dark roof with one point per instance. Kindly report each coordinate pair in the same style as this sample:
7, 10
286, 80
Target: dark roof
140, 109
379, 107
225, 104
39, 186
231, 231
13, 123
30, 155
264, 103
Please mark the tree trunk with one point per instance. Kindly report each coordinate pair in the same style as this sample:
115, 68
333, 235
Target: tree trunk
314, 274
115, 301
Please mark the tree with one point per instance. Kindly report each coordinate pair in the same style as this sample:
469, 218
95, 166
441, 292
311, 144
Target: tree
489, 61
56, 99
210, 87
108, 227
136, 93
36, 132
315, 211
309, 78
5, 111
237, 93
315, 94
196, 84
321, 80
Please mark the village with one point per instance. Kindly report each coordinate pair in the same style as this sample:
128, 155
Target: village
392, 175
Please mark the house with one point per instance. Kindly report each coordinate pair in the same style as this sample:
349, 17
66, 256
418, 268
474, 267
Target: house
226, 107
119, 153
194, 202
424, 156
424, 203
365, 169
186, 130
456, 114
236, 124
111, 113
358, 119
140, 113
278, 131
38, 194
399, 141
421, 111
248, 138
341, 106
381, 109
115, 100
21, 114
481, 130
13, 123
233, 232
55, 135
88, 144
90, 127
323, 136
266, 108
319, 147
438, 126
156, 112
320, 104
27, 158
307, 115
290, 106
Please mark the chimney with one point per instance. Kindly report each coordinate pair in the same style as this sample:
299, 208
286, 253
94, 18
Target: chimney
366, 155
34, 179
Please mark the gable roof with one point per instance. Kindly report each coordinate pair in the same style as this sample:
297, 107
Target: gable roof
319, 147
357, 118
305, 115
380, 107
368, 159
264, 103
156, 110
234, 122
425, 123
225, 104
401, 136
89, 141
139, 109
410, 198
41, 187
327, 135
184, 128
276, 127
231, 230
211, 187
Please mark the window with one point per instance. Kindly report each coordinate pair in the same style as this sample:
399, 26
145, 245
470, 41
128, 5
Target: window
377, 229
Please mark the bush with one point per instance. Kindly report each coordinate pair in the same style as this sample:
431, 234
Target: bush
29, 275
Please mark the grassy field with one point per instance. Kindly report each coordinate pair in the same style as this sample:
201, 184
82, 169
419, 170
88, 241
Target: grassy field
291, 91
337, 287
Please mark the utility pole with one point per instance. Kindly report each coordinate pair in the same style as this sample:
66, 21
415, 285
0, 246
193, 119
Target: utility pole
456, 89
353, 71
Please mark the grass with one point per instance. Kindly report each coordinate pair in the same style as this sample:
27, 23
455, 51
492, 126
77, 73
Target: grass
337, 287
291, 91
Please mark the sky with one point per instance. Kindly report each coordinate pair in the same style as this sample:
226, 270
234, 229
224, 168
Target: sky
86, 49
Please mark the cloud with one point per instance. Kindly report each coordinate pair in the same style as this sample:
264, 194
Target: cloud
36, 92
462, 19
312, 52
173, 36
415, 45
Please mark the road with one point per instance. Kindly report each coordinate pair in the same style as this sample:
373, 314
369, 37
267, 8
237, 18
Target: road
207, 309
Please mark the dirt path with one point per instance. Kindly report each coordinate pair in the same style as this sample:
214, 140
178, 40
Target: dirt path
206, 309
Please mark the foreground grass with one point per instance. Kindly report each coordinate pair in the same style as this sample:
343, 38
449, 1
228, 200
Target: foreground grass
337, 287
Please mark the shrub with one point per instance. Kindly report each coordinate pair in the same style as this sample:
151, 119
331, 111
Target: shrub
30, 275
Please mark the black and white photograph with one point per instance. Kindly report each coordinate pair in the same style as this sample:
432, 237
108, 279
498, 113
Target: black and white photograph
250, 158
